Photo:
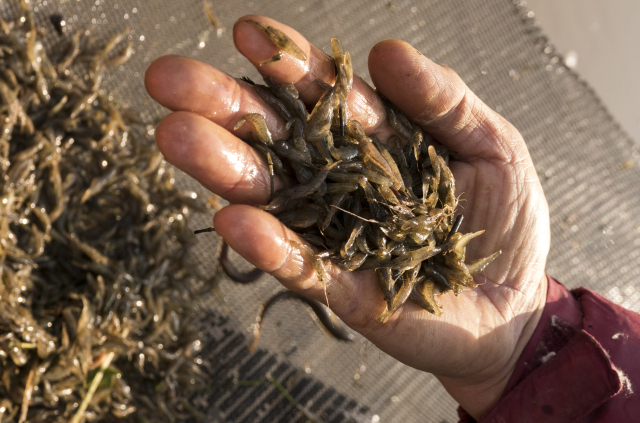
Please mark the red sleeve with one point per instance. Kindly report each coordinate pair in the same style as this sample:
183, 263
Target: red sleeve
581, 365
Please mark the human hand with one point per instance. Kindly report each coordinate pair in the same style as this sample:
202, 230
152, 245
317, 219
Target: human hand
474, 346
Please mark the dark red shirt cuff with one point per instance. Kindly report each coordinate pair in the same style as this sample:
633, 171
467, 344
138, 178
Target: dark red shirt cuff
567, 371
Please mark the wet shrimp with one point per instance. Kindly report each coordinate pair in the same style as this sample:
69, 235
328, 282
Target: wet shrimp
327, 322
279, 39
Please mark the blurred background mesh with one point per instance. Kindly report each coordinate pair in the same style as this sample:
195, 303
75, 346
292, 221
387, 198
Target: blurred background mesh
588, 166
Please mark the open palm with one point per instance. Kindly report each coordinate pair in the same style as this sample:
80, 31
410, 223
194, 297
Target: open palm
474, 345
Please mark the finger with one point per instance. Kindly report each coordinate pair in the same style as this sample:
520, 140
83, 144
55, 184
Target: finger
439, 101
354, 297
364, 104
265, 242
183, 84
217, 159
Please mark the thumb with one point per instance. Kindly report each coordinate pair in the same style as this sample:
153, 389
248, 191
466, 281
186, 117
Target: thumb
437, 99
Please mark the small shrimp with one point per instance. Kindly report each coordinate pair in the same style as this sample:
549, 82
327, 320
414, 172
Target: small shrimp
39, 242
423, 294
279, 39
417, 138
28, 391
259, 124
113, 41
478, 266
137, 191
72, 51
424, 223
300, 191
395, 175
275, 58
273, 101
232, 272
348, 68
44, 218
352, 263
98, 184
416, 257
339, 176
393, 233
82, 104
399, 209
387, 283
284, 149
301, 217
299, 141
341, 187
319, 122
341, 119
362, 243
11, 79
303, 174
373, 159
121, 57
316, 263
213, 19
447, 185
375, 177
55, 109
348, 248
315, 240
338, 52
376, 262
377, 211
409, 280
344, 153
154, 163
328, 324
95, 255
410, 132
336, 201
344, 68
401, 160
458, 243
458, 278
397, 125
289, 95
274, 163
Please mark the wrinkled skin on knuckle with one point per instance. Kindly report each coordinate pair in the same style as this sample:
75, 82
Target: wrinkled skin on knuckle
252, 175
437, 106
355, 312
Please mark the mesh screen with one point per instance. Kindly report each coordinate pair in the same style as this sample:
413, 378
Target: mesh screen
580, 152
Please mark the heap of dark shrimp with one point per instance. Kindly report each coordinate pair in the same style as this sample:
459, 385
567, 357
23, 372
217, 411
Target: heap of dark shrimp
362, 203
96, 297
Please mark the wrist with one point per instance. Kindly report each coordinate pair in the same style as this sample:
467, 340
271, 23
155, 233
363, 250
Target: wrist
477, 394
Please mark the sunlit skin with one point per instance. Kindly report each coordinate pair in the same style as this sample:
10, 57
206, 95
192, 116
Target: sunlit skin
474, 346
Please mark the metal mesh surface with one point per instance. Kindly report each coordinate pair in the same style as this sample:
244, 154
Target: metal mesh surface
582, 157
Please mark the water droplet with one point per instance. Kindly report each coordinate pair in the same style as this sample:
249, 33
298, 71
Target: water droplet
571, 59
